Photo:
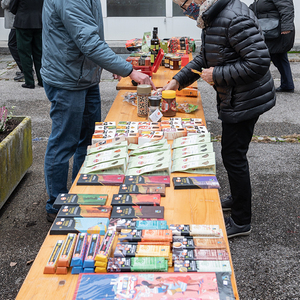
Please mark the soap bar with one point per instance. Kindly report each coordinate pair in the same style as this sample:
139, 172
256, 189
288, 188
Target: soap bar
50, 267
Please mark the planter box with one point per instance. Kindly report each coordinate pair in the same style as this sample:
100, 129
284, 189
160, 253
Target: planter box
15, 157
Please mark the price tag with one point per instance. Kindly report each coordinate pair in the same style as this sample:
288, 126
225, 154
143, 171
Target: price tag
156, 116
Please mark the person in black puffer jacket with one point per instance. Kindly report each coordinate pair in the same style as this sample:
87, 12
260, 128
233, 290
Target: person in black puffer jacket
278, 47
235, 60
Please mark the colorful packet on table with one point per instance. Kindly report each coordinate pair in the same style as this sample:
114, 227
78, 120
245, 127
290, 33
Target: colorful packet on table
143, 189
89, 260
209, 243
50, 267
129, 212
135, 199
149, 264
85, 211
97, 179
67, 251
184, 254
213, 266
211, 254
118, 264
185, 266
106, 246
79, 199
140, 179
79, 250
198, 182
128, 235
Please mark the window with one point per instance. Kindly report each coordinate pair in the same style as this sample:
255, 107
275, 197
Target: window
136, 8
1, 12
177, 11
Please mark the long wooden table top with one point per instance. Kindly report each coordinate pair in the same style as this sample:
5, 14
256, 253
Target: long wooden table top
181, 207
160, 78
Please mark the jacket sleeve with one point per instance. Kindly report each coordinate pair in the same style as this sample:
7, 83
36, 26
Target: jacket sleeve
286, 12
254, 62
13, 6
81, 25
186, 77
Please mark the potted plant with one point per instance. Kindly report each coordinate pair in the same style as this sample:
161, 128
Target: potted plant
15, 151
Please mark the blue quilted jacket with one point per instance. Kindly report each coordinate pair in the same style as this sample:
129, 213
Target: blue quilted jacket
74, 49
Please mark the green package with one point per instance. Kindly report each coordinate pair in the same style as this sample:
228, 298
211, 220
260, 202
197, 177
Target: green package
149, 264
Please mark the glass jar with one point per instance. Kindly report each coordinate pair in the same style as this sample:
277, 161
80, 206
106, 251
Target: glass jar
143, 92
168, 105
167, 60
175, 63
154, 113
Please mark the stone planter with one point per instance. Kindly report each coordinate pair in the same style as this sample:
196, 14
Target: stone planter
15, 157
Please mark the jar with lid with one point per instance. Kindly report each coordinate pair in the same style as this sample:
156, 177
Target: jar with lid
175, 63
143, 92
154, 113
167, 60
168, 105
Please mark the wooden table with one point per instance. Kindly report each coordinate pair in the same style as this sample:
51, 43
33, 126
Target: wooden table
160, 78
181, 206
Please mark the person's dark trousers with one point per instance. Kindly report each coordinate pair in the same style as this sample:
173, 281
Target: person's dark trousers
235, 143
281, 62
13, 48
29, 43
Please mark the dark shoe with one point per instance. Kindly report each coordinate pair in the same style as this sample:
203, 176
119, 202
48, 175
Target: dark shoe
227, 203
281, 90
233, 229
51, 217
19, 77
28, 86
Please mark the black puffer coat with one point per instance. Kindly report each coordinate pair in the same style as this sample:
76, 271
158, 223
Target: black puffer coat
284, 11
234, 46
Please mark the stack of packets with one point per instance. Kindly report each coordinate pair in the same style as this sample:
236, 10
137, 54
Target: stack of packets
131, 132
142, 250
60, 258
91, 253
194, 154
199, 248
152, 158
145, 132
107, 158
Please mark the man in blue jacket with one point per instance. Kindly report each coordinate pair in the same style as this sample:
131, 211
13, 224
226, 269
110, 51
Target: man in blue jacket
74, 53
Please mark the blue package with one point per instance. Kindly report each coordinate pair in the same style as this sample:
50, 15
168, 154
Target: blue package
88, 270
77, 270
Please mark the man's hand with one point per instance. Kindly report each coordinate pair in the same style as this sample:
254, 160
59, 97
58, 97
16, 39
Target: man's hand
141, 78
172, 85
115, 76
207, 75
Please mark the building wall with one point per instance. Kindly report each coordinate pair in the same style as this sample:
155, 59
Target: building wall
125, 28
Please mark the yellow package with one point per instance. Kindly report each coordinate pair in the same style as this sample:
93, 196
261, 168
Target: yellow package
152, 251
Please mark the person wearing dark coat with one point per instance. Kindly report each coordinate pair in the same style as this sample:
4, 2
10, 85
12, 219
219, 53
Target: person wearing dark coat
235, 60
28, 24
278, 47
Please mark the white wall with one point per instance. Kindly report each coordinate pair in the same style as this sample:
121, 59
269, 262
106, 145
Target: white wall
128, 28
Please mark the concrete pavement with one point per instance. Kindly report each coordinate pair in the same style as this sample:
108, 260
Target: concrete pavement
266, 263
